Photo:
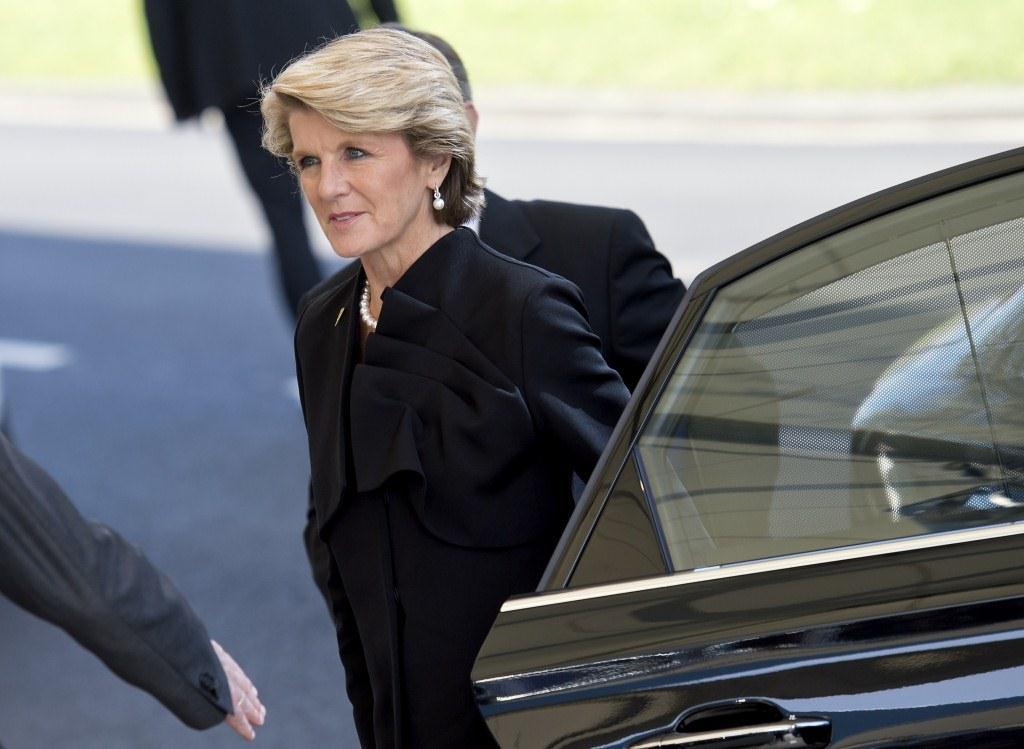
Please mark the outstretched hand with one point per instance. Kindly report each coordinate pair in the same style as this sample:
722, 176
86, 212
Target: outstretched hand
248, 710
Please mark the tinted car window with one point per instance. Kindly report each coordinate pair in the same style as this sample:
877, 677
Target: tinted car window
863, 388
623, 544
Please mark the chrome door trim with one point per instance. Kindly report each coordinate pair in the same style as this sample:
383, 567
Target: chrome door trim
788, 732
704, 574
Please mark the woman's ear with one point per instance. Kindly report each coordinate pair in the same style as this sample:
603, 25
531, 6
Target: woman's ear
472, 115
438, 167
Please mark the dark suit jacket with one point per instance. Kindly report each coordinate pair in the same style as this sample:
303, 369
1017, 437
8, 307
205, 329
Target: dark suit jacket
102, 591
627, 284
481, 393
213, 53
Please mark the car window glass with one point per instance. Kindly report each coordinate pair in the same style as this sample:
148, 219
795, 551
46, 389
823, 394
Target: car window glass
622, 545
863, 388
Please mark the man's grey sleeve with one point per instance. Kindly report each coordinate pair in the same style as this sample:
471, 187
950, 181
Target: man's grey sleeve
104, 592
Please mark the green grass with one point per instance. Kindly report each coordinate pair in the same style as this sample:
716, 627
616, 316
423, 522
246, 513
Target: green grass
656, 44
74, 39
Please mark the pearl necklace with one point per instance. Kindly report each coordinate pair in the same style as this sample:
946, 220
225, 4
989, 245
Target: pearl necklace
364, 309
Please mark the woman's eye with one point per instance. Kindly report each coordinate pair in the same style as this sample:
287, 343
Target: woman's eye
354, 153
306, 161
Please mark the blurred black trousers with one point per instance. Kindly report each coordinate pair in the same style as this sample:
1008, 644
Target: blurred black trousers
281, 199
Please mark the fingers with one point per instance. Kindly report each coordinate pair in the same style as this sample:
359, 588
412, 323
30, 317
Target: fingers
247, 708
236, 676
240, 725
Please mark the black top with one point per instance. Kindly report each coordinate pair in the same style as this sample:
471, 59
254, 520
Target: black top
463, 320
442, 468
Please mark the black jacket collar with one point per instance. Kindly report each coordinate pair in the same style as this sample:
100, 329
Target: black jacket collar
424, 279
504, 227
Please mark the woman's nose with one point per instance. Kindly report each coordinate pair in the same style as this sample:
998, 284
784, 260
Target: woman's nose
333, 181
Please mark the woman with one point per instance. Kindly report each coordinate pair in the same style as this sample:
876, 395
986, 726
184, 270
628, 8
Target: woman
449, 392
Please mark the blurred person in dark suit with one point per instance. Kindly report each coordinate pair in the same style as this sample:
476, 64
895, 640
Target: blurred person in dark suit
213, 53
627, 284
101, 590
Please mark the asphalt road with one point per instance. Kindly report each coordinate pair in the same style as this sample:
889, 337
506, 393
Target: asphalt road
148, 367
701, 201
172, 420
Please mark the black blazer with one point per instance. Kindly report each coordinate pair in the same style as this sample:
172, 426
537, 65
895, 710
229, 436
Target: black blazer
481, 393
102, 591
464, 322
214, 53
627, 284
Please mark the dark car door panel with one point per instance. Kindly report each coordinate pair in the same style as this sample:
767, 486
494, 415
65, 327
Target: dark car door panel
827, 457
916, 633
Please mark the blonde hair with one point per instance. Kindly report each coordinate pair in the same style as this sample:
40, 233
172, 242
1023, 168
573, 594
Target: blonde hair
382, 81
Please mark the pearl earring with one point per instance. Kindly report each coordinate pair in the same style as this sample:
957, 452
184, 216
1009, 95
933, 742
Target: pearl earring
438, 200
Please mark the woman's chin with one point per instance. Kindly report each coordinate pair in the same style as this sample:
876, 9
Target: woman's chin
347, 251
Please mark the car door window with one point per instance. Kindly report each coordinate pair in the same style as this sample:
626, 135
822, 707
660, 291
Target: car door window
623, 545
863, 388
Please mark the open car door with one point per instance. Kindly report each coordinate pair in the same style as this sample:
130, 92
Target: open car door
807, 529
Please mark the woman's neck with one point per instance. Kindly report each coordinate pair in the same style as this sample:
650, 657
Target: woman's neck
385, 266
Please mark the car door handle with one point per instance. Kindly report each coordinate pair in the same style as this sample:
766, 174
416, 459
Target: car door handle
783, 733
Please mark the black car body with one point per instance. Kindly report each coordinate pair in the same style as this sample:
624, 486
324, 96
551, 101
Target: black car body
806, 530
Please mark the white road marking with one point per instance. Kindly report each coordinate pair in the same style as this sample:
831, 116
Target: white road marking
35, 356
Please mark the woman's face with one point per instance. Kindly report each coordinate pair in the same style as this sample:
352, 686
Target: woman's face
369, 192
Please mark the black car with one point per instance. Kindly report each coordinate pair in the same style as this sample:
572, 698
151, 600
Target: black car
807, 529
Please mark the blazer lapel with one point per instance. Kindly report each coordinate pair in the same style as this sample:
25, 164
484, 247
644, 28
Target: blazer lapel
504, 227
333, 358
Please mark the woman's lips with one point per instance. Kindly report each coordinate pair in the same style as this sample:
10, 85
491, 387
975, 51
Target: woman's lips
344, 218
